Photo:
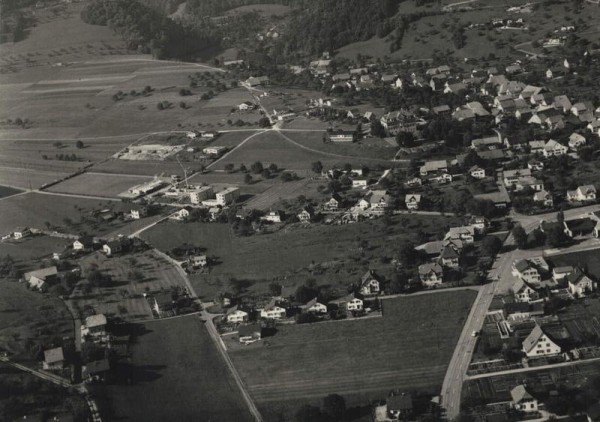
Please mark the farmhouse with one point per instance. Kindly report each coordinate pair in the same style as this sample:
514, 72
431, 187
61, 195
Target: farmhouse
412, 201
112, 247
580, 285
38, 278
228, 196
54, 359
197, 261
370, 283
431, 274
250, 333
522, 400
215, 150
314, 307
83, 243
538, 343
21, 232
162, 302
342, 136
585, 193
95, 326
235, 315
256, 81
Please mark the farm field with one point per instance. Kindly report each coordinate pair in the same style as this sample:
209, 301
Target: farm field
33, 247
5, 191
28, 178
366, 148
590, 260
148, 168
176, 356
27, 315
99, 184
408, 348
35, 209
287, 253
285, 191
123, 297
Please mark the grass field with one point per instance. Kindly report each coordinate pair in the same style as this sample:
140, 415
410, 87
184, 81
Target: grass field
5, 191
27, 315
123, 297
100, 184
33, 247
289, 254
590, 260
177, 375
34, 210
408, 348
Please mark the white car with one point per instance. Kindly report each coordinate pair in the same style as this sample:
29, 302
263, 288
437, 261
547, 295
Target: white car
475, 333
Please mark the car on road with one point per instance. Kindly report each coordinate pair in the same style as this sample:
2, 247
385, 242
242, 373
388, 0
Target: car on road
475, 333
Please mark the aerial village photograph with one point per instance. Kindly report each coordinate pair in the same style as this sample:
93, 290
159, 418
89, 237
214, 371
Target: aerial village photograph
299, 210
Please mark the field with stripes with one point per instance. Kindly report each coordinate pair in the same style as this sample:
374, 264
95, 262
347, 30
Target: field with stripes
408, 348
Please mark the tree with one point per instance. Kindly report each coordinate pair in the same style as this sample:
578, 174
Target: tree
491, 245
305, 293
520, 236
308, 413
247, 179
264, 122
317, 167
286, 177
275, 289
182, 104
398, 282
79, 144
334, 406
266, 173
229, 167
257, 167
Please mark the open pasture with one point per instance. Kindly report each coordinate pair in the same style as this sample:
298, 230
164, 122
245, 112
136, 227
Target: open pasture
37, 209
99, 184
408, 348
33, 247
28, 178
176, 356
6, 191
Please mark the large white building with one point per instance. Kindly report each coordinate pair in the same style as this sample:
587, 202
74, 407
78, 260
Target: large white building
227, 196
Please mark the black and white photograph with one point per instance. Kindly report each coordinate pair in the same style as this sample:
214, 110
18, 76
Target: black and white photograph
299, 210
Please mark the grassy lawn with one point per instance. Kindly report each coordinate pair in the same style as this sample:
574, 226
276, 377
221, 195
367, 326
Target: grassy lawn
6, 191
177, 375
124, 296
28, 318
408, 348
33, 247
590, 260
329, 253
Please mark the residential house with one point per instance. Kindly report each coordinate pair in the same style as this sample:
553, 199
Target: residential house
580, 285
524, 292
256, 81
246, 105
95, 370
464, 233
112, 247
582, 107
560, 273
449, 257
433, 167
234, 315
370, 283
586, 193
412, 201
314, 307
197, 261
576, 140
38, 278
554, 149
138, 212
348, 303
522, 400
181, 214
359, 183
339, 136
21, 232
535, 165
95, 325
273, 217
201, 194
526, 270
273, 311
441, 110
562, 103
537, 147
249, 333
431, 274
83, 243
334, 203
399, 406
477, 172
163, 302
307, 214
538, 343
479, 223
378, 199
54, 359
544, 198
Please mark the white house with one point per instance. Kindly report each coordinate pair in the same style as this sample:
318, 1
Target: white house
523, 292
412, 201
83, 243
272, 217
554, 149
526, 271
370, 284
538, 343
449, 257
585, 193
227, 196
314, 307
38, 278
431, 274
464, 233
477, 172
522, 400
580, 284
181, 215
544, 198
21, 232
236, 316
272, 311
348, 303
576, 140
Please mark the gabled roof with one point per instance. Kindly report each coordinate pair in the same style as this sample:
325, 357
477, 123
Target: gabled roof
96, 367
519, 393
430, 267
370, 275
54, 355
449, 253
577, 276
95, 321
532, 339
400, 403
42, 274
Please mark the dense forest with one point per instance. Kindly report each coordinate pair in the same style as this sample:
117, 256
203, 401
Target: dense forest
211, 8
149, 31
